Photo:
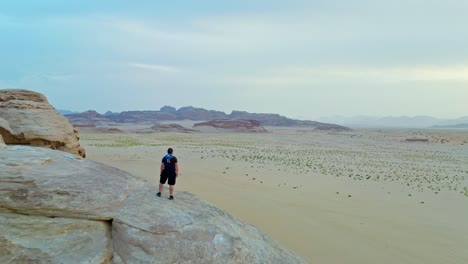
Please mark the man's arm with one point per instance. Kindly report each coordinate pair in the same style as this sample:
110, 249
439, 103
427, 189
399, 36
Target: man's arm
161, 168
177, 169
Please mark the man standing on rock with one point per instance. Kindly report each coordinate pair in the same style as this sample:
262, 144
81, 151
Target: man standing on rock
169, 172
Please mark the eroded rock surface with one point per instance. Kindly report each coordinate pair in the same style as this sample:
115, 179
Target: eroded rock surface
39, 239
27, 118
148, 229
39, 181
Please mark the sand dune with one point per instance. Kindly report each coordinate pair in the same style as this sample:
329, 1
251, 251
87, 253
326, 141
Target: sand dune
357, 197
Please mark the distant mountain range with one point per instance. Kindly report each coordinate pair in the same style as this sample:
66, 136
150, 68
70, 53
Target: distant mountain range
169, 113
452, 126
396, 121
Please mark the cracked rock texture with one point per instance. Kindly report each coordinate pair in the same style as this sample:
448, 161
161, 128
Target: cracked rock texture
147, 229
39, 239
38, 181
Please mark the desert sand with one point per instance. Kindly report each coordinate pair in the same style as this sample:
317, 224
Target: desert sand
366, 196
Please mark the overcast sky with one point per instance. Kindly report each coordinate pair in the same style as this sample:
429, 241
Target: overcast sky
302, 59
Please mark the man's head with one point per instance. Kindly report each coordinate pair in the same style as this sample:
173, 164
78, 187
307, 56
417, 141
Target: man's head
170, 150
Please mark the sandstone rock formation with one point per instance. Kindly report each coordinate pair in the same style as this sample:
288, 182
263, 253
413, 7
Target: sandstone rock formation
187, 231
27, 118
239, 125
55, 206
39, 239
38, 181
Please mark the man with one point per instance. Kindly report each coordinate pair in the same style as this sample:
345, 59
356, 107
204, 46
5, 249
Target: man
169, 171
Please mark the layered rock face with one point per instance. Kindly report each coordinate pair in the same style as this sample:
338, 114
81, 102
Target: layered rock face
27, 118
58, 208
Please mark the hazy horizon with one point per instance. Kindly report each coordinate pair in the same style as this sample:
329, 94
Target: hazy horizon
300, 59
229, 112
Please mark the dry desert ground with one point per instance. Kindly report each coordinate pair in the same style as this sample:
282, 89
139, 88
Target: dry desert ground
367, 196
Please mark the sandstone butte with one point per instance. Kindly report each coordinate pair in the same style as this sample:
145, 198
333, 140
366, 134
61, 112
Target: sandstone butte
56, 207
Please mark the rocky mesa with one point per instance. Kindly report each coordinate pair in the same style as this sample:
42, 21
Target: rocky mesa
56, 207
169, 113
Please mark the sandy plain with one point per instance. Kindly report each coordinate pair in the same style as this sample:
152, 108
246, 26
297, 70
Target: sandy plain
366, 196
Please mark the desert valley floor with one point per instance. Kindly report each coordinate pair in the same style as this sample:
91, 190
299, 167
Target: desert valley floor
367, 196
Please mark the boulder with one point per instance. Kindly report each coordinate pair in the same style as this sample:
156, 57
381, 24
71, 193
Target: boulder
27, 118
39, 239
39, 181
2, 143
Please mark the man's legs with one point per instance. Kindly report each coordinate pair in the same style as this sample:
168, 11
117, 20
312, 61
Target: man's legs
171, 182
162, 181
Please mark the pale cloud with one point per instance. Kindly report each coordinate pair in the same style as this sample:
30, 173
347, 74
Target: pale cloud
154, 67
401, 73
295, 75
192, 38
320, 37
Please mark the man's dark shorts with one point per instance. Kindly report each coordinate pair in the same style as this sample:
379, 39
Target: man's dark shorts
170, 177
